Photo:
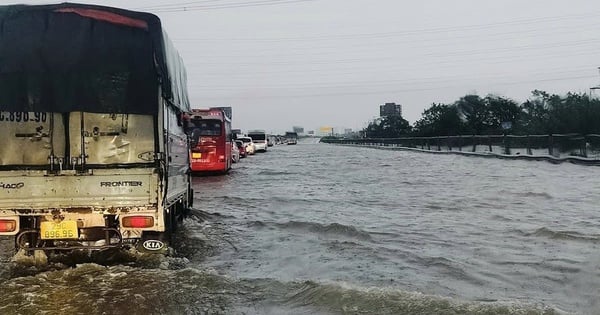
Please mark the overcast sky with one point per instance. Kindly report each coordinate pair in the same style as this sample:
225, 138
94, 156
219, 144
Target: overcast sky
311, 63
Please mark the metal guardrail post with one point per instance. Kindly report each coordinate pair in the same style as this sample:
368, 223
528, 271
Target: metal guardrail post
550, 145
474, 144
506, 144
529, 146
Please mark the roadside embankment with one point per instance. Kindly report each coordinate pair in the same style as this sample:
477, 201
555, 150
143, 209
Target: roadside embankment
555, 149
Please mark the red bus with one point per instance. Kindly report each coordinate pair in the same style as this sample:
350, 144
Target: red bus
210, 134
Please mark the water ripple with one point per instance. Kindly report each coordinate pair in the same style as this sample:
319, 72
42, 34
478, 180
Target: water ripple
333, 229
564, 235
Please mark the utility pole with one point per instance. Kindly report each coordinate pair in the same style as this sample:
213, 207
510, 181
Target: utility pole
594, 89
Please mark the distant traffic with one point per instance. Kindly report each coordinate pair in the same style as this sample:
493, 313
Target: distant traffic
215, 146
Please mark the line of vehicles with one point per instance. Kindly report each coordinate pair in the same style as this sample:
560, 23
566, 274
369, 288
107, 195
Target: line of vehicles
214, 146
99, 140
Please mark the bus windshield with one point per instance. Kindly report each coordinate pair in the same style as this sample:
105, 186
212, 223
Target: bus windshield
258, 136
206, 128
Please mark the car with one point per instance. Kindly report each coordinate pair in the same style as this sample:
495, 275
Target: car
249, 145
270, 141
235, 153
241, 147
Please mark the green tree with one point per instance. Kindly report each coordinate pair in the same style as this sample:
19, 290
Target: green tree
535, 113
388, 127
501, 110
577, 113
439, 120
545, 113
542, 113
474, 112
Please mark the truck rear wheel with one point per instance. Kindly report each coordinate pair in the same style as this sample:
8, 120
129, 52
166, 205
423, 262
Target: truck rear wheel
174, 216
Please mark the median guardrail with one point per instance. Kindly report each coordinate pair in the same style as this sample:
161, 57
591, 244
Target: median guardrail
575, 148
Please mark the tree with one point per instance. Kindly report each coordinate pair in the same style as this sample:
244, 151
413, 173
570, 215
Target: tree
542, 113
473, 110
575, 113
501, 110
388, 127
439, 120
535, 113
486, 115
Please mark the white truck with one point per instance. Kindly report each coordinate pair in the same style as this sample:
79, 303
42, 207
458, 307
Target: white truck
93, 153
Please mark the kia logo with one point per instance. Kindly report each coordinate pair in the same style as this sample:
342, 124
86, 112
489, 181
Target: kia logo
153, 245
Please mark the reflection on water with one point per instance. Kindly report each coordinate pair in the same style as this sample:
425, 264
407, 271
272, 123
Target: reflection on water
322, 229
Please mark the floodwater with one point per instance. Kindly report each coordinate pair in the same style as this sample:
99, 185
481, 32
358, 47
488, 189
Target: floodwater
325, 229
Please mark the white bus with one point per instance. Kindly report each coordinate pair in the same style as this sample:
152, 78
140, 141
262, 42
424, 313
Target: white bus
259, 137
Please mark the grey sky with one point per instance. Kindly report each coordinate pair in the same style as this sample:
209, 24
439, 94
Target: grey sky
332, 62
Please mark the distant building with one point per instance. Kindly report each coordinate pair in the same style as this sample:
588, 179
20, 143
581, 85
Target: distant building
298, 130
390, 109
325, 131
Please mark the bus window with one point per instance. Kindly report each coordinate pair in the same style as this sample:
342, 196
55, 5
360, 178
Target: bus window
207, 128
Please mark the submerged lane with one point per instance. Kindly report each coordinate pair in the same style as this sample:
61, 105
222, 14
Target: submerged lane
323, 229
470, 229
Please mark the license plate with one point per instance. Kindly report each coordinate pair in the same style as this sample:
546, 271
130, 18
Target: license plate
196, 155
62, 230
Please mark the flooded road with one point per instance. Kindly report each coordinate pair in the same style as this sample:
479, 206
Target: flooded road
324, 229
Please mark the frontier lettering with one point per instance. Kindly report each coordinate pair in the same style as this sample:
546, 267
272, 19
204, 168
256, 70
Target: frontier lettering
121, 184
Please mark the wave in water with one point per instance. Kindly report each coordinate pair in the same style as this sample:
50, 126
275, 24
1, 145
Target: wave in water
95, 289
533, 194
347, 299
276, 173
127, 290
564, 235
333, 229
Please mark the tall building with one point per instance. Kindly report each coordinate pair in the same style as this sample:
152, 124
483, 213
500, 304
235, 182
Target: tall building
390, 109
298, 130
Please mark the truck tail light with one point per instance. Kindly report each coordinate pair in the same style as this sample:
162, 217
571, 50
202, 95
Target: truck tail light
221, 158
8, 225
139, 221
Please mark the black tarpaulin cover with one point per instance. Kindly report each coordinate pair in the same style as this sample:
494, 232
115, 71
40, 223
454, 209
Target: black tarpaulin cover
75, 57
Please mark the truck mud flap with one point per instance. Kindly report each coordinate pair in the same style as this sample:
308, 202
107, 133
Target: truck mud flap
153, 243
